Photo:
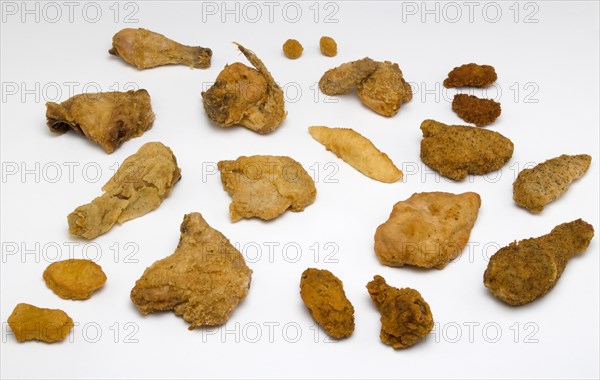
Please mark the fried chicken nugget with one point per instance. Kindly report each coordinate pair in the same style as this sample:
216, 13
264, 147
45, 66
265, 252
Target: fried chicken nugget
324, 296
345, 77
358, 151
143, 180
525, 271
106, 118
74, 279
203, 280
145, 49
427, 230
457, 150
536, 187
245, 96
30, 322
472, 109
266, 186
385, 89
405, 316
472, 75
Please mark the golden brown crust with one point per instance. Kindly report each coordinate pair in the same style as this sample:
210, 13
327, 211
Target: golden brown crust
472, 109
472, 75
328, 46
29, 322
324, 296
74, 279
385, 89
292, 49
345, 77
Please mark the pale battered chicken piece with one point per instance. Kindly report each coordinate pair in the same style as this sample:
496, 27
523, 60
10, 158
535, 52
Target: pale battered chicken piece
427, 230
385, 89
345, 77
106, 118
324, 296
245, 96
30, 322
266, 186
358, 151
525, 271
74, 278
536, 187
457, 150
405, 316
203, 280
138, 187
472, 75
472, 109
145, 49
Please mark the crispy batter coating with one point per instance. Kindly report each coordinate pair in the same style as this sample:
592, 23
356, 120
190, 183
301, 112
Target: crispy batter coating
536, 187
405, 316
30, 322
358, 151
474, 110
203, 280
427, 230
266, 186
525, 271
138, 187
328, 46
324, 296
457, 150
74, 279
105, 118
385, 89
245, 96
292, 49
145, 49
345, 77
472, 75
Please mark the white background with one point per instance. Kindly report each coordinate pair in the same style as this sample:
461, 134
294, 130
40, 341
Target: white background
546, 57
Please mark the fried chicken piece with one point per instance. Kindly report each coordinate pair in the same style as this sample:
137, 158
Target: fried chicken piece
457, 150
203, 280
324, 296
30, 322
145, 49
292, 49
266, 186
474, 110
245, 96
385, 89
328, 46
427, 230
472, 75
525, 271
405, 316
74, 279
143, 180
536, 187
345, 77
105, 118
358, 151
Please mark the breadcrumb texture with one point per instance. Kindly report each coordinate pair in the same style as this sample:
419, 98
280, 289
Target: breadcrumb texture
471, 75
472, 109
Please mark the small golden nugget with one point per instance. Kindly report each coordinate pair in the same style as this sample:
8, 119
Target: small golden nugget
525, 271
106, 118
324, 296
328, 46
145, 49
536, 187
292, 49
358, 151
140, 185
405, 316
29, 322
74, 279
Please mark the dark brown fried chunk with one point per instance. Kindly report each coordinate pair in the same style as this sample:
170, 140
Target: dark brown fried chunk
30, 322
345, 77
74, 279
145, 49
405, 316
471, 75
525, 271
457, 150
292, 49
385, 89
474, 110
106, 118
324, 296
203, 280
